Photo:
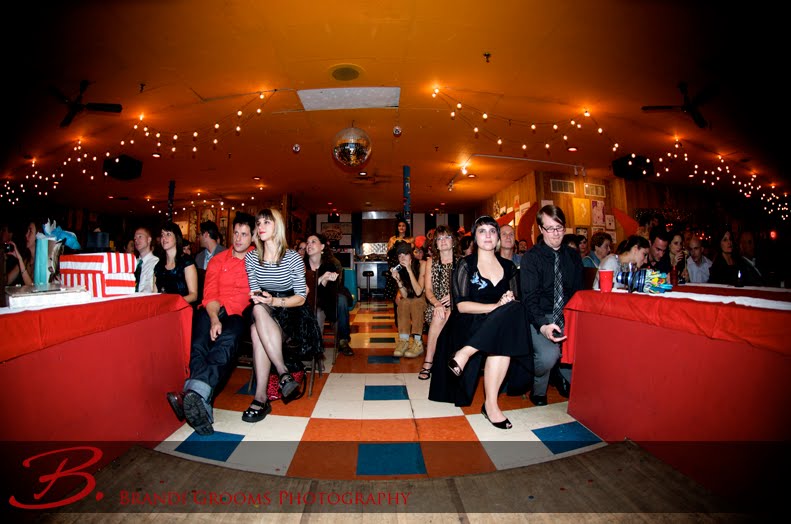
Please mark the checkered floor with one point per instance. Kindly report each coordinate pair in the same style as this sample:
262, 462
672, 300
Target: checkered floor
369, 417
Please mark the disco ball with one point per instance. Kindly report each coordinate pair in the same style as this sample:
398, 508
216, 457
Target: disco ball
351, 147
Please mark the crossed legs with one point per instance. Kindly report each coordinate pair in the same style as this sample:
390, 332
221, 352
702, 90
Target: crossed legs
267, 339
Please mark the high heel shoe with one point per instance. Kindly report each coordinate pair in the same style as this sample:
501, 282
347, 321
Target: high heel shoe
503, 424
454, 366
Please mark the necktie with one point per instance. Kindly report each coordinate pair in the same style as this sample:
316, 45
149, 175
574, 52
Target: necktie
557, 309
138, 270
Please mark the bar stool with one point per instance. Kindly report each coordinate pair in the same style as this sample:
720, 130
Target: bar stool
368, 274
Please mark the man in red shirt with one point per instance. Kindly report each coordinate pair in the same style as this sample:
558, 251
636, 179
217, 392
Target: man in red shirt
216, 329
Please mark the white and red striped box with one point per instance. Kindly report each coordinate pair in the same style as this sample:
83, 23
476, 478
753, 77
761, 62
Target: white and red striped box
103, 274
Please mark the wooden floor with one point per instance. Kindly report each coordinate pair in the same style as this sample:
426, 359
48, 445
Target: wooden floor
616, 483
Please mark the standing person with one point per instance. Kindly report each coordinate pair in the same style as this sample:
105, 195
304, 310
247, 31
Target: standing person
391, 288
551, 274
327, 297
409, 275
487, 324
276, 276
146, 262
175, 272
216, 328
445, 253
22, 273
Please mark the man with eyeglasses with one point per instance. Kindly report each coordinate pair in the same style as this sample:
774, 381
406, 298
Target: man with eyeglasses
551, 273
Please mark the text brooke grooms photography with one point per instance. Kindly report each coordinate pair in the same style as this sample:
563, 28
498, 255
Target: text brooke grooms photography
266, 498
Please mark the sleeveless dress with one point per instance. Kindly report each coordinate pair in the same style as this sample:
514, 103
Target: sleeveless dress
440, 284
173, 280
501, 332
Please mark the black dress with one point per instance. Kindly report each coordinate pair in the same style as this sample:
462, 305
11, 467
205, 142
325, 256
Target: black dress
501, 332
173, 280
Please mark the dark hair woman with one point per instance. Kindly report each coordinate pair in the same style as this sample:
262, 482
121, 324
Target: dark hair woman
409, 275
487, 321
175, 272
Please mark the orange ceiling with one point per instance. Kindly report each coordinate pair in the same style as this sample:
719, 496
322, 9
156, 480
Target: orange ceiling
188, 64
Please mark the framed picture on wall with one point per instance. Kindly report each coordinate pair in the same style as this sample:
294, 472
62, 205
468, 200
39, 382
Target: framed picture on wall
582, 211
611, 232
582, 231
609, 221
597, 212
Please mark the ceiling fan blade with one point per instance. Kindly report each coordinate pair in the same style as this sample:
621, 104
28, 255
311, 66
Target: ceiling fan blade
57, 93
698, 119
70, 115
84, 85
661, 108
107, 108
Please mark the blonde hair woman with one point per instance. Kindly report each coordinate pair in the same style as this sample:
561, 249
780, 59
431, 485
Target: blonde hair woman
276, 276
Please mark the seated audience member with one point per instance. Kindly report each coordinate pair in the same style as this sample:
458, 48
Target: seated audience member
419, 253
409, 275
522, 247
175, 272
601, 242
146, 262
466, 245
276, 276
570, 240
129, 249
445, 253
22, 272
582, 245
633, 250
725, 265
550, 275
676, 254
210, 242
752, 273
658, 257
697, 270
301, 248
327, 296
508, 245
216, 327
487, 324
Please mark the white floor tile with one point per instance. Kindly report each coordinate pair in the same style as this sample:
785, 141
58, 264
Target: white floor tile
386, 409
338, 409
424, 408
384, 379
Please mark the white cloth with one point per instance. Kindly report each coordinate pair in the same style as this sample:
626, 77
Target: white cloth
147, 274
698, 274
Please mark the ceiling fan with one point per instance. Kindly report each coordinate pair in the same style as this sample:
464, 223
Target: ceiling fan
76, 106
689, 105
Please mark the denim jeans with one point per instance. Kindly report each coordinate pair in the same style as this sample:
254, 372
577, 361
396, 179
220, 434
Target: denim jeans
343, 318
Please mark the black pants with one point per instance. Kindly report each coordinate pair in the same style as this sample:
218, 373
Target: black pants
210, 362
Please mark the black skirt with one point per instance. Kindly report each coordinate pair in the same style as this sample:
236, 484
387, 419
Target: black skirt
301, 334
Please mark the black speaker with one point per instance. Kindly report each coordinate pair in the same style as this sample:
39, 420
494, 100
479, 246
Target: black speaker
123, 168
632, 168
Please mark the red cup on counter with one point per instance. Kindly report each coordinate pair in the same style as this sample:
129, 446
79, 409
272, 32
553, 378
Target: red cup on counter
605, 280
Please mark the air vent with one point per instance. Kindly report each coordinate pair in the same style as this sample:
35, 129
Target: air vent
563, 186
595, 190
345, 72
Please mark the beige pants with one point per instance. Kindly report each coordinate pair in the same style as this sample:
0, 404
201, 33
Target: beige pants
410, 315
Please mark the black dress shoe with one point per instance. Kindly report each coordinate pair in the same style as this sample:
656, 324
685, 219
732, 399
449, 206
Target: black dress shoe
176, 401
563, 386
538, 400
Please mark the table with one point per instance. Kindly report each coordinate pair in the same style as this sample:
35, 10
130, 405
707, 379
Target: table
95, 371
703, 385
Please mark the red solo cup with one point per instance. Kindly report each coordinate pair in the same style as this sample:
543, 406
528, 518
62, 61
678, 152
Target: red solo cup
605, 280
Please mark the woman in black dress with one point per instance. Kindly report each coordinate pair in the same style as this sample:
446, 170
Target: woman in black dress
175, 272
487, 323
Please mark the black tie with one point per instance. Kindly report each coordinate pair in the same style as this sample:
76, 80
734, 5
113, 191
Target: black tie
138, 270
557, 309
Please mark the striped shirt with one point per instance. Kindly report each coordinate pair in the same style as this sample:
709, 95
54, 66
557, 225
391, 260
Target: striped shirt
289, 274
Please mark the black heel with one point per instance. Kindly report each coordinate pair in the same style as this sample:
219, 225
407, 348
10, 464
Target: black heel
454, 367
256, 415
504, 424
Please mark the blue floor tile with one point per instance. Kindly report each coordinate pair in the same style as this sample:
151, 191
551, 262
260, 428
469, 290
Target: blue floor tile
383, 359
382, 340
382, 326
385, 393
218, 446
566, 437
402, 458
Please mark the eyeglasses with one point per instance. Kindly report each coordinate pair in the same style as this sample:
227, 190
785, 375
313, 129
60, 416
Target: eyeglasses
557, 229
445, 237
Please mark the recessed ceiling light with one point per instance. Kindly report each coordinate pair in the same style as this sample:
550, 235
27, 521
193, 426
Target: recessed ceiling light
571, 149
256, 178
156, 155
363, 173
470, 175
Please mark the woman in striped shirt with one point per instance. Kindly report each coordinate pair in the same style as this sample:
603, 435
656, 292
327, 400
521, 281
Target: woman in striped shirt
280, 318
